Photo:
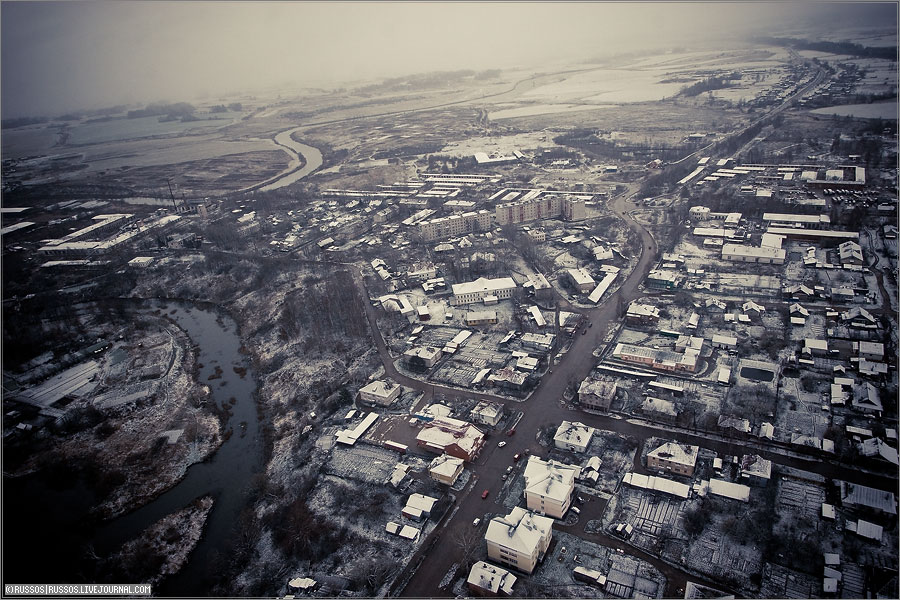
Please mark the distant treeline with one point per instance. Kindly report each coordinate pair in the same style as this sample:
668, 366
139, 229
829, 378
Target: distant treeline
170, 111
709, 84
73, 116
220, 108
885, 52
432, 79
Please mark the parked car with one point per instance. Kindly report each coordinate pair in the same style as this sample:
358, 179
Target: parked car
516, 457
484, 494
509, 469
476, 522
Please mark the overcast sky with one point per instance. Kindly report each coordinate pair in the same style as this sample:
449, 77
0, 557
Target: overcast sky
60, 56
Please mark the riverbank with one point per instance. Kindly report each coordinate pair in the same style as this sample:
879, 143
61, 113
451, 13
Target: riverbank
145, 422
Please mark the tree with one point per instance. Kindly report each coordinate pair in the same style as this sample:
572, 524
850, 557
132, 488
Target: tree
468, 540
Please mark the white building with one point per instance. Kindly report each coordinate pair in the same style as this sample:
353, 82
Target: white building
537, 205
519, 539
581, 279
674, 457
487, 413
483, 289
446, 469
424, 355
549, 486
380, 392
761, 255
443, 228
487, 580
573, 436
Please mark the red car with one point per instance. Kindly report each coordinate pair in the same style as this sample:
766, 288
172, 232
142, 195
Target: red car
484, 494
511, 431
516, 457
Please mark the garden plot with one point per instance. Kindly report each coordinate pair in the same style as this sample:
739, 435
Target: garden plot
437, 337
781, 582
721, 557
740, 283
455, 373
800, 498
629, 574
650, 514
804, 414
629, 577
814, 328
361, 463
695, 257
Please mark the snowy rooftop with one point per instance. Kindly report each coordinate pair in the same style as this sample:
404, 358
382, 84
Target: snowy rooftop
658, 484
735, 491
573, 433
683, 454
550, 479
483, 284
445, 465
521, 530
491, 578
751, 464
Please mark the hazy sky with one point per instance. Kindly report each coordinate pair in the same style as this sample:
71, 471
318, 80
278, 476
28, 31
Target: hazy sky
59, 56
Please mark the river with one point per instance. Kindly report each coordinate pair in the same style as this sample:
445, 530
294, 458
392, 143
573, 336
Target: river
51, 514
299, 152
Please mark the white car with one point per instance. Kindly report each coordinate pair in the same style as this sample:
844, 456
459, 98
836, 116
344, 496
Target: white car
501, 444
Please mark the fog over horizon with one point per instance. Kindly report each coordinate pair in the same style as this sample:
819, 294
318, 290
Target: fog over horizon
68, 56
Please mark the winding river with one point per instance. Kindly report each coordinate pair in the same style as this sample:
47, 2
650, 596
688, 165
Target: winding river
299, 152
54, 515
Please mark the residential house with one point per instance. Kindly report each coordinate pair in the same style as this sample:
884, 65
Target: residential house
487, 413
549, 486
573, 436
456, 438
755, 469
596, 394
674, 457
489, 581
380, 392
519, 539
658, 409
446, 469
641, 314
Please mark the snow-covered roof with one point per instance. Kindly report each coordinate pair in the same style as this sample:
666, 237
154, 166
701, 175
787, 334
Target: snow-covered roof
521, 530
853, 494
445, 465
683, 454
866, 529
597, 387
421, 502
658, 484
381, 388
642, 310
573, 432
491, 578
550, 479
580, 276
482, 284
752, 464
658, 405
735, 491
444, 431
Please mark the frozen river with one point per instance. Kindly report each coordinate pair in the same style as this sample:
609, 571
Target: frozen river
298, 152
